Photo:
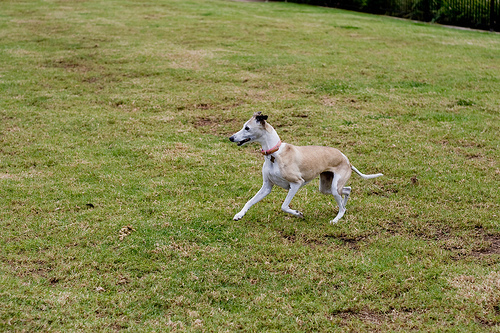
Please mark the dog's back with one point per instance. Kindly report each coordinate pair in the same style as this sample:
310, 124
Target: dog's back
308, 162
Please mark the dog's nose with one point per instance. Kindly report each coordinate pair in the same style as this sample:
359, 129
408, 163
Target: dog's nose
231, 138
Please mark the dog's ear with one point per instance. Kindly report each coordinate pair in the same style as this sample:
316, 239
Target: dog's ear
261, 118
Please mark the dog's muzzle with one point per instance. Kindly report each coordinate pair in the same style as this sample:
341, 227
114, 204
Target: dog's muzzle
239, 142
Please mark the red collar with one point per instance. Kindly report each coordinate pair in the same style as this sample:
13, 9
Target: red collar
272, 150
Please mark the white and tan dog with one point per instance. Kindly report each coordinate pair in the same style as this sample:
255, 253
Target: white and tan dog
291, 167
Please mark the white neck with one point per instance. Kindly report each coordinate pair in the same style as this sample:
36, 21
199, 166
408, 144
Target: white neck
269, 140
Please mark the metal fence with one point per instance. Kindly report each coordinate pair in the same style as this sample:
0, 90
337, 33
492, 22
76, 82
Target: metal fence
478, 14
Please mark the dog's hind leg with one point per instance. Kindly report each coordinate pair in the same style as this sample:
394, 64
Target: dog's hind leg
294, 187
263, 192
346, 191
338, 198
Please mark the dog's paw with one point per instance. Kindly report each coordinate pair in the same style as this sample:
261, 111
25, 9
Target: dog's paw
238, 217
338, 217
299, 214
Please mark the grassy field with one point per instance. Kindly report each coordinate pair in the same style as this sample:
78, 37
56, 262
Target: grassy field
118, 184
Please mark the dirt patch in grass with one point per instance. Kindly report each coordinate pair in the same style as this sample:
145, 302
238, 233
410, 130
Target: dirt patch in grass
367, 317
351, 242
476, 243
33, 269
484, 245
205, 122
69, 64
214, 125
303, 239
203, 106
493, 248
375, 321
227, 105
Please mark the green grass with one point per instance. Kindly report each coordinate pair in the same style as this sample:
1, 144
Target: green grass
118, 184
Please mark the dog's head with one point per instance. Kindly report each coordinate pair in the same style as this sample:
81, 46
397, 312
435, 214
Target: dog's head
252, 130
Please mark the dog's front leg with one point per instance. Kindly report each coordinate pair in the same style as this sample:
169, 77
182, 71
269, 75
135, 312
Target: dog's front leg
263, 192
294, 187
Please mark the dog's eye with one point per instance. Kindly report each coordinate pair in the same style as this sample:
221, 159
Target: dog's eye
247, 128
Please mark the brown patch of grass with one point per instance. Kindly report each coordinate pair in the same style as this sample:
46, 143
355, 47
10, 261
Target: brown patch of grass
484, 244
329, 101
70, 65
7, 176
376, 321
492, 246
351, 242
214, 125
300, 238
30, 268
190, 59
365, 316
483, 291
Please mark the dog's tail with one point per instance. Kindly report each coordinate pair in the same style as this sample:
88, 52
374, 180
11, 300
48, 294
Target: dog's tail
366, 176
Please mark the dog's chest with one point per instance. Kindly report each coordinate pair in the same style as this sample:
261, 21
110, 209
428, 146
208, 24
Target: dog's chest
273, 173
